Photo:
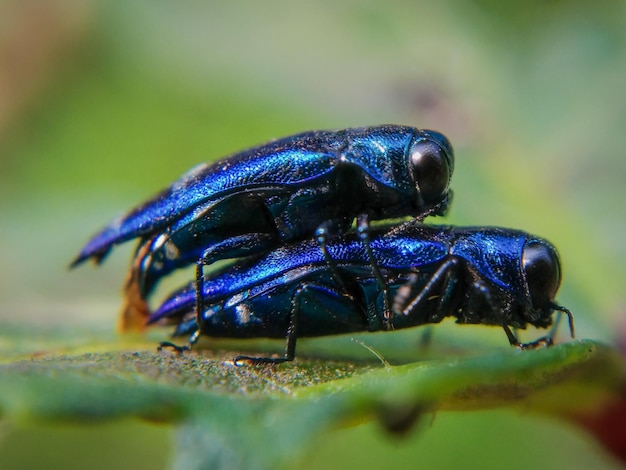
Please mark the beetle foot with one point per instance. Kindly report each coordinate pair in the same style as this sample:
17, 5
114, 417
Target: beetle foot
175, 347
545, 341
259, 360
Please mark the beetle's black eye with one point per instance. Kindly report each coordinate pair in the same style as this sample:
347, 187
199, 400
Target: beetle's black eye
542, 269
431, 165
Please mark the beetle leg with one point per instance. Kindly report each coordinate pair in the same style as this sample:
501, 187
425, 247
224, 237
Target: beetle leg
242, 245
446, 269
449, 279
322, 233
199, 309
539, 342
509, 334
212, 230
478, 292
291, 337
238, 246
199, 290
180, 349
547, 340
480, 287
363, 227
570, 319
543, 341
246, 243
311, 295
424, 342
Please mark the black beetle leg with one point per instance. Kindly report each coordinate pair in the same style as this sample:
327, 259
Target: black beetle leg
199, 291
547, 340
180, 349
199, 310
445, 270
292, 335
512, 337
424, 342
570, 319
480, 292
543, 341
322, 233
363, 227
509, 334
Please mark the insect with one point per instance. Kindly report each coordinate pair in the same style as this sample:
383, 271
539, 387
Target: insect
279, 192
491, 276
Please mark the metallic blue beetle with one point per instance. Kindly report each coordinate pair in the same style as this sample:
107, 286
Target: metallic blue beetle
279, 192
490, 276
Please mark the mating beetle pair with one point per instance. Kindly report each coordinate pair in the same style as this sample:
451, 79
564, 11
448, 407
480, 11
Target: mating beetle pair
286, 208
279, 192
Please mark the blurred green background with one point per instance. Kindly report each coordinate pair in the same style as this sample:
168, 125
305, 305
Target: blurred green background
103, 103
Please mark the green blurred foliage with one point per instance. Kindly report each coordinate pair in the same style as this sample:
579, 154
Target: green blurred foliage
103, 103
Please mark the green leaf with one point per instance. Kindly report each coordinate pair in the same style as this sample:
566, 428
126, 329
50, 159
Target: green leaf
263, 416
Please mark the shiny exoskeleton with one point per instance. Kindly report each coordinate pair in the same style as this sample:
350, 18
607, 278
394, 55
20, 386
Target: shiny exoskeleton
478, 275
279, 192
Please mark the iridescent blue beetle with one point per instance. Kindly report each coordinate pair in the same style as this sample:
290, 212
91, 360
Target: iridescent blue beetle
490, 276
282, 191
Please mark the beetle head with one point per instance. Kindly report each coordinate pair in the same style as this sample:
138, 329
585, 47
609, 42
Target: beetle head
431, 160
542, 270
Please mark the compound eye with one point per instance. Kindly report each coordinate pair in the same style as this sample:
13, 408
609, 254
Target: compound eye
542, 269
431, 166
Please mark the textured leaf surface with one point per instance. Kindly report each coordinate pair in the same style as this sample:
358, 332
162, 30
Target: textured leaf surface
274, 412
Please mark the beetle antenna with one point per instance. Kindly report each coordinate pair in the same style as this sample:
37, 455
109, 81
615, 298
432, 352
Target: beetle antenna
570, 318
